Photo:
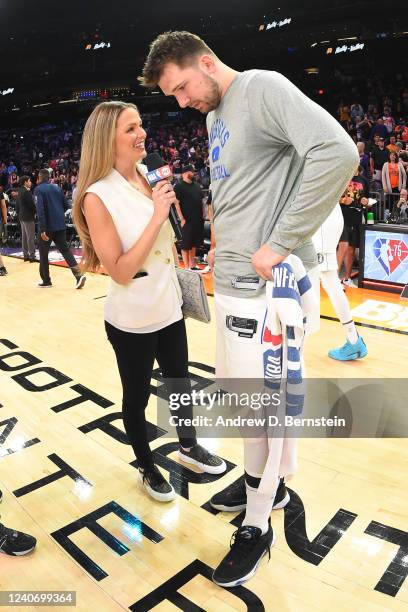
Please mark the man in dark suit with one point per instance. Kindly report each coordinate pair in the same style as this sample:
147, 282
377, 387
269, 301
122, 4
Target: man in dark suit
26, 213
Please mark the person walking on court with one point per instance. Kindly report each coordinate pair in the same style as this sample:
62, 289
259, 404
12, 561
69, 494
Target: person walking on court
51, 205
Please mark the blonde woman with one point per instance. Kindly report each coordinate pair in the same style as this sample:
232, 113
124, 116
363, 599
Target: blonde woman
123, 225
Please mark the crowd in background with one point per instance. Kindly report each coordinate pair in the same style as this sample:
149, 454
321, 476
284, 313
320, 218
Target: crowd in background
375, 118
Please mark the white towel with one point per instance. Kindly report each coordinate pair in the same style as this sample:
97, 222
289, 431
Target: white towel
291, 303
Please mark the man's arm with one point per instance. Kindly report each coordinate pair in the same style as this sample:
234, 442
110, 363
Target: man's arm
3, 211
177, 205
283, 112
39, 205
179, 213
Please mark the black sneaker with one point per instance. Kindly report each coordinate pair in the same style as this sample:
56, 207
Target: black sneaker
156, 485
44, 285
80, 282
3, 271
233, 498
203, 459
248, 546
15, 543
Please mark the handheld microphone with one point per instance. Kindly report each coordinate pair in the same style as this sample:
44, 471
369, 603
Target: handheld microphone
158, 171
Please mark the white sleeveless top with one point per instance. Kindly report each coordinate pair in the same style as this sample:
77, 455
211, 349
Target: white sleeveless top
151, 302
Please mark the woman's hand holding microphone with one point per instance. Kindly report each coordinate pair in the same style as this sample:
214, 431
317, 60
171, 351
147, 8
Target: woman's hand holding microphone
163, 197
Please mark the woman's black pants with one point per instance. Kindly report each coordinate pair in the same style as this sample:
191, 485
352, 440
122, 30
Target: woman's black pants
135, 355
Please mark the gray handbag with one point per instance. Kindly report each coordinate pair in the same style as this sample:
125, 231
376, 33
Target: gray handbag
195, 303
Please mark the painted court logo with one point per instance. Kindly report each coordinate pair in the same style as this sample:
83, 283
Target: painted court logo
390, 253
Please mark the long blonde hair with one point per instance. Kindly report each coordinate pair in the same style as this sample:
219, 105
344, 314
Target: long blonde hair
97, 160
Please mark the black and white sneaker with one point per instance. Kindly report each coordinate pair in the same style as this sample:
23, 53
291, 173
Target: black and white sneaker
248, 546
203, 459
44, 285
80, 282
3, 271
233, 498
156, 485
15, 543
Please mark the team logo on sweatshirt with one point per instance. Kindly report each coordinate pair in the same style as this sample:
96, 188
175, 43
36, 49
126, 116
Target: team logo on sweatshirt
218, 138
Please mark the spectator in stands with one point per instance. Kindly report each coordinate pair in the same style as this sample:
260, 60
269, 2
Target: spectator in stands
401, 131
394, 178
364, 127
364, 159
378, 157
399, 146
380, 129
388, 120
51, 205
356, 111
392, 145
25, 208
3, 176
402, 205
189, 206
12, 172
343, 113
403, 158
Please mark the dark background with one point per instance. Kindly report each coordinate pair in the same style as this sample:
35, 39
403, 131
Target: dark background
44, 57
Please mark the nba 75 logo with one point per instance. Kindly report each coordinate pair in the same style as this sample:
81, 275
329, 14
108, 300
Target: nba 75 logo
390, 253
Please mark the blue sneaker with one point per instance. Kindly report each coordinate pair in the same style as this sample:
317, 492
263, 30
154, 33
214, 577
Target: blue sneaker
349, 351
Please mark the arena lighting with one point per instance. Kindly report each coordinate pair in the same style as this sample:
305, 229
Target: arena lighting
274, 24
7, 91
95, 46
43, 104
345, 48
67, 101
348, 38
15, 108
312, 70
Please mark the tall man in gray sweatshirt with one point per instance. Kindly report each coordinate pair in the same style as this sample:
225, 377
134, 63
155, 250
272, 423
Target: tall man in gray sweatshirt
279, 163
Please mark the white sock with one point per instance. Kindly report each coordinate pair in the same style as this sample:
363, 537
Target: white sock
258, 509
351, 332
334, 290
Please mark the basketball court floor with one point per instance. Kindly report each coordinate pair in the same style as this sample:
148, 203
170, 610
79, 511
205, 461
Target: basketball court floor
68, 477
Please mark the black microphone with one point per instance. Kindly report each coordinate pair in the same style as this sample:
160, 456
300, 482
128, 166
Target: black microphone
158, 170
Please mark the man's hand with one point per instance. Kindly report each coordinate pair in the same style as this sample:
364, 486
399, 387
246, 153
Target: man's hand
264, 260
364, 201
211, 258
44, 236
346, 200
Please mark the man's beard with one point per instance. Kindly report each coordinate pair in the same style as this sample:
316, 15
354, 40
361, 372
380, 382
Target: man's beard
213, 97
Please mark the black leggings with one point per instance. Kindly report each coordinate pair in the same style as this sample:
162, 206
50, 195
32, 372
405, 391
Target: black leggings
135, 355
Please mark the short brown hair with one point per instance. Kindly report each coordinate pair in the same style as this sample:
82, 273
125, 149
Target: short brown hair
181, 48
